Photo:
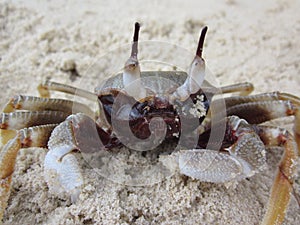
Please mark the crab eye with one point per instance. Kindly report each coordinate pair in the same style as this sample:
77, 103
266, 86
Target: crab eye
196, 73
132, 71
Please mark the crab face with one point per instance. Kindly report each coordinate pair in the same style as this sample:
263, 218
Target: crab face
154, 106
153, 115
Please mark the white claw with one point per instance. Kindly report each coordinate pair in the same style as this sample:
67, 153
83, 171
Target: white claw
62, 172
242, 159
211, 166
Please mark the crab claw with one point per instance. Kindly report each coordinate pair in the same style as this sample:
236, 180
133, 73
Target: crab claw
242, 159
62, 172
211, 166
196, 73
132, 71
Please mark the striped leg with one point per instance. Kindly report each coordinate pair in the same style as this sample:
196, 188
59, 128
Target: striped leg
27, 137
25, 111
283, 183
262, 107
257, 109
31, 103
48, 85
10, 122
242, 88
297, 129
33, 112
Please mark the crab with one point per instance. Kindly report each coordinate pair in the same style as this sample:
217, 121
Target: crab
146, 110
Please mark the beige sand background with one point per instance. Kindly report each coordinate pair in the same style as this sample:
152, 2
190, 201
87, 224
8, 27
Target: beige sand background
249, 41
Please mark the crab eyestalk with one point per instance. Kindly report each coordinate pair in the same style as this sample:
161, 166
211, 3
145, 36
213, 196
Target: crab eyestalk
196, 73
132, 72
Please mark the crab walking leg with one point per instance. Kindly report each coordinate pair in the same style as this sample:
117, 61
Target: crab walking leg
45, 87
272, 96
10, 122
266, 105
6, 135
297, 129
21, 102
261, 111
132, 72
283, 184
22, 119
27, 137
244, 88
196, 73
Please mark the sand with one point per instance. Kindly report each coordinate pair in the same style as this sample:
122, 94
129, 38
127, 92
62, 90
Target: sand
257, 42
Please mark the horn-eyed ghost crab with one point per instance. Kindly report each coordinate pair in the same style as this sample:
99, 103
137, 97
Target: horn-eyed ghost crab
142, 111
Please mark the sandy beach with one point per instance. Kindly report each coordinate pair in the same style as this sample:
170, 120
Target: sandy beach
247, 41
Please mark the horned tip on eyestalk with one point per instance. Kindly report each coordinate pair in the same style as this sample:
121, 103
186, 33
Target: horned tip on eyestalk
132, 63
134, 49
136, 31
201, 42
